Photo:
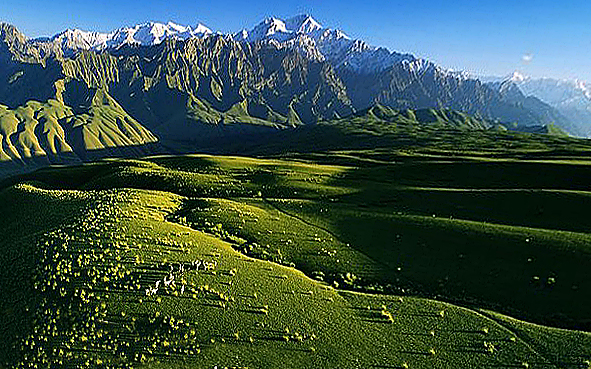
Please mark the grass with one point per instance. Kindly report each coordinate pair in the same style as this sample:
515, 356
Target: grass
373, 259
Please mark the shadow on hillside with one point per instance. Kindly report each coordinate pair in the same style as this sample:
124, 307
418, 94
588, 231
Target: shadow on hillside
324, 138
16, 171
304, 139
479, 234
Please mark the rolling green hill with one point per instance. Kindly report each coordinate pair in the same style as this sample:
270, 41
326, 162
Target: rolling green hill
83, 124
385, 128
400, 259
37, 134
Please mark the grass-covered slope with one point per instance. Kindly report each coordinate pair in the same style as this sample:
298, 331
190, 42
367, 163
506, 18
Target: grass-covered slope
53, 132
95, 262
385, 129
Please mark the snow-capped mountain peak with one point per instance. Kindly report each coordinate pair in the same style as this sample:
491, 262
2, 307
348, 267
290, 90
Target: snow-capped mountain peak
270, 28
201, 29
303, 24
307, 35
561, 89
281, 30
177, 27
75, 38
550, 90
518, 77
152, 33
274, 25
146, 34
301, 32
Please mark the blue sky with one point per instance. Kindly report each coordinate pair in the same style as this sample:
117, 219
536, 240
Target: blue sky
538, 38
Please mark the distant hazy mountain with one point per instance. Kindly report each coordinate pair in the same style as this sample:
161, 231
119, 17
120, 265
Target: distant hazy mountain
572, 98
538, 110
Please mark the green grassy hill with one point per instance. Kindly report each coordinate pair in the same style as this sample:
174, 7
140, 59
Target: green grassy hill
383, 129
374, 259
82, 124
37, 134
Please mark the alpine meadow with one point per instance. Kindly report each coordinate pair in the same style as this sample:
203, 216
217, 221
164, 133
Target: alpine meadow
286, 196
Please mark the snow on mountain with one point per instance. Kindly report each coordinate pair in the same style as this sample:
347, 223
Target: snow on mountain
75, 38
303, 24
554, 91
146, 34
149, 34
306, 46
302, 33
270, 28
518, 77
332, 44
572, 98
582, 86
280, 30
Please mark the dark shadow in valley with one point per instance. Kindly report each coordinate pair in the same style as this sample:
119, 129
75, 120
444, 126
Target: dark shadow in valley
47, 169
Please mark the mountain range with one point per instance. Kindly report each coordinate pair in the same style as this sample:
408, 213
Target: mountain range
155, 85
572, 98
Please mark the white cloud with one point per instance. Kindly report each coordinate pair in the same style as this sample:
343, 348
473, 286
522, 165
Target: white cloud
527, 58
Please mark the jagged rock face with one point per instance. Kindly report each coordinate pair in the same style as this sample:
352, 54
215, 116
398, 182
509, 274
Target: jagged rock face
81, 95
48, 118
204, 80
197, 88
421, 84
14, 46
